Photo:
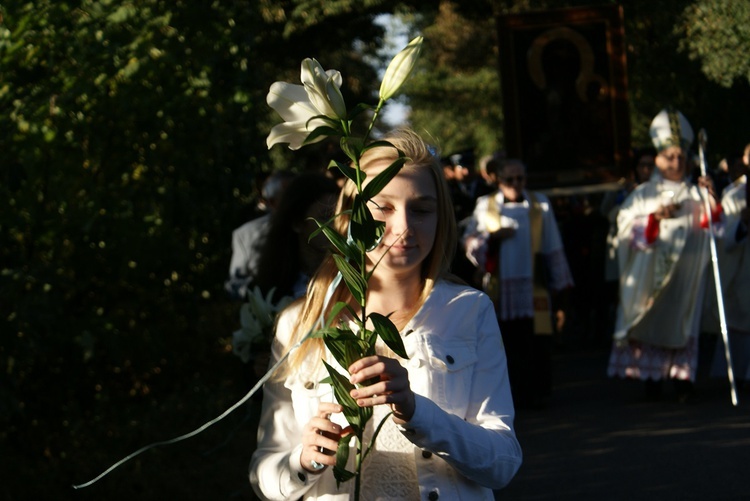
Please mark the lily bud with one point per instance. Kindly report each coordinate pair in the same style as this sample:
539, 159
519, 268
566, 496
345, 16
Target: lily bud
399, 68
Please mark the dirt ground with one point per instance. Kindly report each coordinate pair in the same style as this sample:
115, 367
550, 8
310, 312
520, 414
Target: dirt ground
597, 438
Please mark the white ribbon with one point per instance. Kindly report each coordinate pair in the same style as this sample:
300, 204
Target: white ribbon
329, 293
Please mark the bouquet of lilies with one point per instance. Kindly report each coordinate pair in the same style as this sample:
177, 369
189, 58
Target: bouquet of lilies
311, 112
257, 317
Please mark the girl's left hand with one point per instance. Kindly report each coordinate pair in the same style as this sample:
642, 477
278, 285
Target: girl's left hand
392, 389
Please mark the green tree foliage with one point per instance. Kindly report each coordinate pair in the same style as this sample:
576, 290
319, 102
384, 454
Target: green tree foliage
127, 129
456, 97
685, 54
717, 33
132, 133
662, 72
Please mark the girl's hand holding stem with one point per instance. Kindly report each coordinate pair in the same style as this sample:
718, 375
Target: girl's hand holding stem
393, 387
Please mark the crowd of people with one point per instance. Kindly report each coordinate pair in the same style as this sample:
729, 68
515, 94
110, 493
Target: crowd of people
476, 268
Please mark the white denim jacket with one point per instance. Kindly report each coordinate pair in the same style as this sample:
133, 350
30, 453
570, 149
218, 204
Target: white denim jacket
462, 428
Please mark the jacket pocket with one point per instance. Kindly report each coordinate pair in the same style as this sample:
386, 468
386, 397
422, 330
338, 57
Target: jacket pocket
451, 374
307, 393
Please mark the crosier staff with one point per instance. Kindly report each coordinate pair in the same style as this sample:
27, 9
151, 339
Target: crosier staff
715, 261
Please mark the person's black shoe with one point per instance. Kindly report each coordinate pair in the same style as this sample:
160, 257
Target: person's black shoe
653, 389
685, 390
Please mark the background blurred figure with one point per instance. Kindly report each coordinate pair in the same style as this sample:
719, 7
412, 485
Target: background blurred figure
721, 175
734, 267
289, 257
248, 238
737, 170
643, 168
663, 253
457, 175
514, 240
489, 174
465, 185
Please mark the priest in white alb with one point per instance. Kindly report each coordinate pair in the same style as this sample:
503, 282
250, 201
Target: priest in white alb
663, 257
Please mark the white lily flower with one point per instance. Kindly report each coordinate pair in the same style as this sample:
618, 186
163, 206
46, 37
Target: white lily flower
323, 89
250, 322
293, 133
257, 317
291, 102
399, 68
319, 94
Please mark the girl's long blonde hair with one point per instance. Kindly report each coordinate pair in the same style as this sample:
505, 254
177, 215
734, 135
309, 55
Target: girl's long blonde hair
434, 267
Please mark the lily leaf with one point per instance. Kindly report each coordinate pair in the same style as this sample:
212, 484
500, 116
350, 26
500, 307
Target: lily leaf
352, 146
353, 313
335, 311
361, 107
345, 346
337, 240
323, 131
365, 414
364, 228
378, 144
368, 338
333, 123
374, 435
338, 350
340, 473
347, 170
381, 180
352, 278
388, 333
341, 388
323, 332
341, 305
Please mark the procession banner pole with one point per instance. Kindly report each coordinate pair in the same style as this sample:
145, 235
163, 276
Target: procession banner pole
717, 279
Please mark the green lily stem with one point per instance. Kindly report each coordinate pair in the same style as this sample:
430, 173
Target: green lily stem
363, 306
346, 126
358, 477
362, 330
374, 117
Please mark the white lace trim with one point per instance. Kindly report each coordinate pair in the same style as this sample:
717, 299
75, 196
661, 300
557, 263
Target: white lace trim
390, 471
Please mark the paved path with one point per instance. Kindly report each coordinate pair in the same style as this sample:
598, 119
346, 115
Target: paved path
600, 440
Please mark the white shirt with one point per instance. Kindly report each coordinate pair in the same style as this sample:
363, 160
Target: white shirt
515, 254
247, 241
734, 262
462, 429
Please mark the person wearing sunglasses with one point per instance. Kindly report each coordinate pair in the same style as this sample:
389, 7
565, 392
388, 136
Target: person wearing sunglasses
514, 241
